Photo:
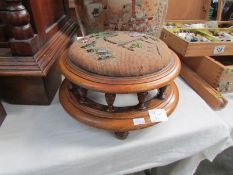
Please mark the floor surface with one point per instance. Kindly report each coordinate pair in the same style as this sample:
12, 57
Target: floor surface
222, 165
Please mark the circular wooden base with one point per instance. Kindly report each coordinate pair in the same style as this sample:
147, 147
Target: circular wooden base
121, 120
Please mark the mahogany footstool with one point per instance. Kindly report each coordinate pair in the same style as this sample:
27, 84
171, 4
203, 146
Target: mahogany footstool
116, 63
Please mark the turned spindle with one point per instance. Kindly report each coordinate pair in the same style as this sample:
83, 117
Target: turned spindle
161, 94
110, 98
141, 100
83, 94
24, 42
19, 20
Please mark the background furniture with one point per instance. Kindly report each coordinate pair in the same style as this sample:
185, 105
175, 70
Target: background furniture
32, 36
2, 114
209, 76
191, 9
45, 140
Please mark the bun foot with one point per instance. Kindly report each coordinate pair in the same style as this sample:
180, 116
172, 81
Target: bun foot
121, 135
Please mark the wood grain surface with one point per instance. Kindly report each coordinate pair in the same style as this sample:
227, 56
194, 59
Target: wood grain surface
212, 97
217, 71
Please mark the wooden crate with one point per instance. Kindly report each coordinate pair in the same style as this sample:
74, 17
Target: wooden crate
217, 71
193, 11
206, 91
203, 73
191, 49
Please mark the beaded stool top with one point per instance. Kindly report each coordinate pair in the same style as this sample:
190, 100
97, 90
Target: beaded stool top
120, 54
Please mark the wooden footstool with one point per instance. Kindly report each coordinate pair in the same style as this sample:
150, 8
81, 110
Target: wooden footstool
118, 63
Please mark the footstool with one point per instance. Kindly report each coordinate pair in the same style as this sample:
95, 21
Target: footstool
114, 63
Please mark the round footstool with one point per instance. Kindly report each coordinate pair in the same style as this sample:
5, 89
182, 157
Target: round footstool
116, 63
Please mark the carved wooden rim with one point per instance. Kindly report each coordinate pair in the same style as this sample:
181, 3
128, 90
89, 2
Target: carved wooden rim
122, 85
118, 123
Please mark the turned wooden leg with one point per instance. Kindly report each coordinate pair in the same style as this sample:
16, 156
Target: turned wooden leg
141, 100
83, 95
121, 135
161, 95
110, 98
79, 92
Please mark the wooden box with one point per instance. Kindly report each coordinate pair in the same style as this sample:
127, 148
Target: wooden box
217, 71
190, 49
192, 12
33, 34
208, 76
